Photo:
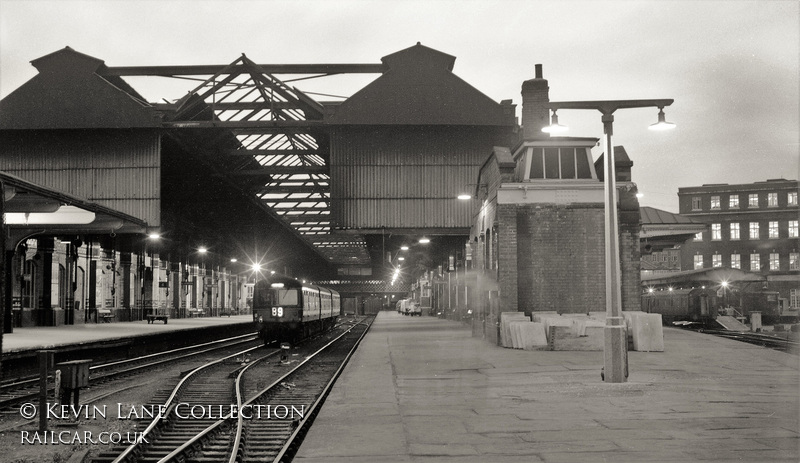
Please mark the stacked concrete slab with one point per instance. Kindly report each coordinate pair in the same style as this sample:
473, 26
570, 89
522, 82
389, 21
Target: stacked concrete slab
646, 329
577, 332
505, 326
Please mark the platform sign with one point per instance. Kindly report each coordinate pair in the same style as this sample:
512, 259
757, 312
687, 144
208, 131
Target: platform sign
163, 284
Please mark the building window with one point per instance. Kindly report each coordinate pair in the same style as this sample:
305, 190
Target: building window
753, 230
735, 231
755, 262
773, 229
715, 202
772, 199
697, 203
794, 298
794, 261
752, 200
716, 260
733, 202
698, 236
794, 231
716, 231
791, 198
698, 261
736, 261
774, 261
559, 163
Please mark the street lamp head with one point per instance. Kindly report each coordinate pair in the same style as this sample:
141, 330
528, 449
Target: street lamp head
554, 126
464, 196
662, 123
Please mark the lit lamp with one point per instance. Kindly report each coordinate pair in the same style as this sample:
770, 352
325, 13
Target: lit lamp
554, 126
615, 350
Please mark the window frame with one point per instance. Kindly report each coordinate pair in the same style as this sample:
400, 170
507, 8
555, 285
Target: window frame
773, 230
716, 232
755, 262
755, 226
774, 261
772, 199
735, 232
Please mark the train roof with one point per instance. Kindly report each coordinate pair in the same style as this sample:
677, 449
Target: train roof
705, 275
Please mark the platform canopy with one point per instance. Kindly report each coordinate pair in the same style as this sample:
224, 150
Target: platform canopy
31, 209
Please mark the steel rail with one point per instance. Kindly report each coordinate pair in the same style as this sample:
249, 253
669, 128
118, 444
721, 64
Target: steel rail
191, 351
168, 405
175, 454
306, 421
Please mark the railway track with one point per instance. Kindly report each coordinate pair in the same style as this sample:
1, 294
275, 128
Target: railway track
26, 389
227, 411
782, 343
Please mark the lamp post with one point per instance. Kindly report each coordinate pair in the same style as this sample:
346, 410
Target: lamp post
615, 342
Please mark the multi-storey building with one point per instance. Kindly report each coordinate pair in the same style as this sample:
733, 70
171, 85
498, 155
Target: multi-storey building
752, 227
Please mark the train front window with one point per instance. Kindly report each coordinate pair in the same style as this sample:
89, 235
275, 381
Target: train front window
286, 297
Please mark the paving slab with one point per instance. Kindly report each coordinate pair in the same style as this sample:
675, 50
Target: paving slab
425, 390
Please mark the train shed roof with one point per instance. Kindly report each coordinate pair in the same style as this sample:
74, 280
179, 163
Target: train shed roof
419, 88
69, 93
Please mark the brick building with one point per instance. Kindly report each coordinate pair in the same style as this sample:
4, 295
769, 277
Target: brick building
537, 240
752, 227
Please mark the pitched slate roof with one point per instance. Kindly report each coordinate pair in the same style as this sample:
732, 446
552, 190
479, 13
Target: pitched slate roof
419, 88
68, 93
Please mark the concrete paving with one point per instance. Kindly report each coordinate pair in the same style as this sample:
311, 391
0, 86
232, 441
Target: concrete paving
46, 337
424, 390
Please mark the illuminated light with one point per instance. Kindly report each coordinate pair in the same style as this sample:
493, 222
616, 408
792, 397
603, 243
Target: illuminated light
233, 259
256, 267
640, 195
424, 241
272, 272
66, 215
202, 250
650, 290
304, 281
464, 196
277, 285
404, 248
662, 123
401, 258
554, 126
154, 236
725, 284
670, 288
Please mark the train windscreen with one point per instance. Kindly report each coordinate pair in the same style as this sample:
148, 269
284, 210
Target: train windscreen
277, 297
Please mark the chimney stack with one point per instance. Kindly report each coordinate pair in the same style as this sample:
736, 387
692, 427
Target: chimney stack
535, 94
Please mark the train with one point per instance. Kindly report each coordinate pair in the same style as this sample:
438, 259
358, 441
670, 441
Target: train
286, 310
703, 305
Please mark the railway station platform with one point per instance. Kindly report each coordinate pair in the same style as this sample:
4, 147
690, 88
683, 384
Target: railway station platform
422, 389
53, 337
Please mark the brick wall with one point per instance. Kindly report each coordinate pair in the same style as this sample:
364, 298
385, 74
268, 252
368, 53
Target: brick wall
506, 218
561, 258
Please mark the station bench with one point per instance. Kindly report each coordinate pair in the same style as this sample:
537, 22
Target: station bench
153, 316
195, 312
106, 315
